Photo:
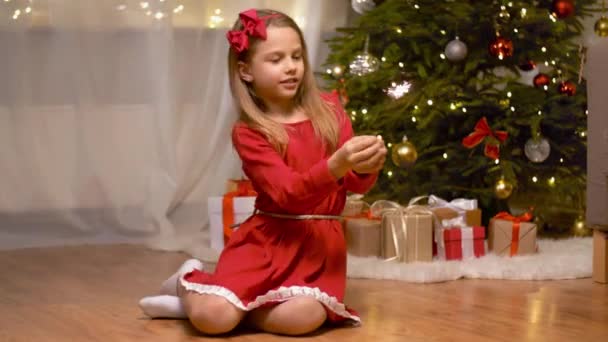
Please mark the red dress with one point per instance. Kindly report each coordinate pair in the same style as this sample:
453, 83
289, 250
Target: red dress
270, 260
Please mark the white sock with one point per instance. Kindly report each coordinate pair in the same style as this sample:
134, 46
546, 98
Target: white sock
169, 286
162, 307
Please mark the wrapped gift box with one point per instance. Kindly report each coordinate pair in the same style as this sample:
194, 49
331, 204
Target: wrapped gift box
362, 236
458, 243
242, 208
238, 185
410, 233
503, 241
354, 205
600, 254
471, 217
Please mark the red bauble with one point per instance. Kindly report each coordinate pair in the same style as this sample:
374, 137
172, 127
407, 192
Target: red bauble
562, 8
501, 47
567, 88
528, 65
541, 80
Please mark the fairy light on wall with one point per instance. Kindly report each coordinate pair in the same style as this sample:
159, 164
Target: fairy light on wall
159, 9
17, 11
216, 19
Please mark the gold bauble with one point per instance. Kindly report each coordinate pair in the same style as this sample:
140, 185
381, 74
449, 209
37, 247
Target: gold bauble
503, 189
404, 154
601, 27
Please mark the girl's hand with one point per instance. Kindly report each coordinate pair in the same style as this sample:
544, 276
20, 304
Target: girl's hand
356, 150
376, 162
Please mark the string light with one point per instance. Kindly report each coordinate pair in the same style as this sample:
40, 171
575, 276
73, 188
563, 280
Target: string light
429, 102
509, 94
534, 179
399, 30
523, 12
443, 32
442, 56
543, 49
216, 19
390, 174
464, 109
364, 111
561, 160
383, 59
158, 10
551, 181
413, 119
416, 6
445, 156
401, 64
497, 161
397, 91
452, 106
178, 9
18, 12
552, 17
389, 145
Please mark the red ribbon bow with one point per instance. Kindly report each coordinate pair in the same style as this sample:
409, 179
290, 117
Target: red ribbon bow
252, 26
482, 130
526, 217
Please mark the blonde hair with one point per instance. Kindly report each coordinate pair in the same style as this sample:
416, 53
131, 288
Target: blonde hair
308, 96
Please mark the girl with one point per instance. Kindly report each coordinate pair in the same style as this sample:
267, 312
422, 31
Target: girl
284, 270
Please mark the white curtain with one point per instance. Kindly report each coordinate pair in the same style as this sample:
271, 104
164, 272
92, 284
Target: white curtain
115, 116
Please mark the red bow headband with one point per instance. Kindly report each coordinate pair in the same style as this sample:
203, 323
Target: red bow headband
252, 26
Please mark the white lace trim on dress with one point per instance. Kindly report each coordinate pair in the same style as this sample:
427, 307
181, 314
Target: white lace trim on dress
281, 294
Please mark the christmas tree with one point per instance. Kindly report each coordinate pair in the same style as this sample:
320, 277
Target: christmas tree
488, 94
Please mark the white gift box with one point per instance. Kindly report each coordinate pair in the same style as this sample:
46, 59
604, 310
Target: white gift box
243, 208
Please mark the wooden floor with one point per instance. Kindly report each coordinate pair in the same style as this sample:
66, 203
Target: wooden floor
91, 294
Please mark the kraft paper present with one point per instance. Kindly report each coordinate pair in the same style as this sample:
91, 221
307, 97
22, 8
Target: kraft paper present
502, 242
362, 236
409, 233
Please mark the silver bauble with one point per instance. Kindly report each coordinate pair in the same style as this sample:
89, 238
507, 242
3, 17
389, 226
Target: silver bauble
362, 6
363, 64
537, 149
456, 50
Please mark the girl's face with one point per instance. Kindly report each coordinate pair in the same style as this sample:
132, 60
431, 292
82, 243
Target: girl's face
276, 66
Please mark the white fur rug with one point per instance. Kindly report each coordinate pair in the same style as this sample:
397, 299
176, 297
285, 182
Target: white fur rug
557, 259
